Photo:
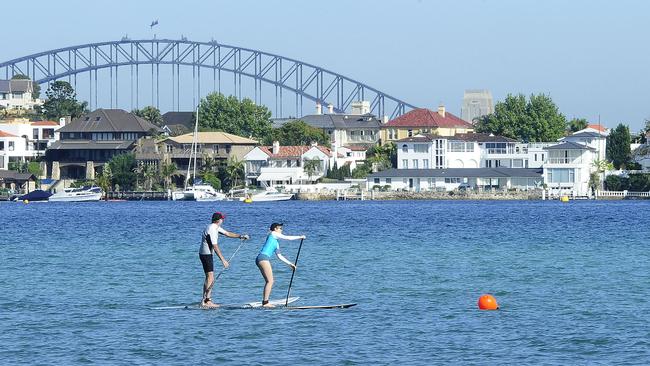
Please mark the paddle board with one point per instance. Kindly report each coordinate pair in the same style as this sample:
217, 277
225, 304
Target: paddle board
248, 305
339, 306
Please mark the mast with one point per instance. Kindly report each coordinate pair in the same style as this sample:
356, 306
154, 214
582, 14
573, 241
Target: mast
193, 150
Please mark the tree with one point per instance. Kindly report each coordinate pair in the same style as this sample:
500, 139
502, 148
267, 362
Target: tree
151, 114
618, 146
297, 133
311, 166
122, 167
227, 114
578, 124
103, 180
536, 120
382, 157
167, 171
234, 172
62, 101
36, 92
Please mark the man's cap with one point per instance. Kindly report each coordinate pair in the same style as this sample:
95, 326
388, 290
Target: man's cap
218, 216
275, 224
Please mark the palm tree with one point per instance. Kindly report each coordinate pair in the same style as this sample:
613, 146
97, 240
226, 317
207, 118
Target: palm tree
311, 166
139, 172
104, 180
167, 171
234, 171
149, 174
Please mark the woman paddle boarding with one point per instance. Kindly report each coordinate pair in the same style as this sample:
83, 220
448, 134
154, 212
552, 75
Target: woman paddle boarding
263, 261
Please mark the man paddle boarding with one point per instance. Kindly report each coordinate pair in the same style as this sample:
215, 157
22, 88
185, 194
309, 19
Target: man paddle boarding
263, 261
208, 246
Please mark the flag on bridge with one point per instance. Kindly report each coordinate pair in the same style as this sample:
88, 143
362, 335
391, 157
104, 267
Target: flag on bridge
155, 22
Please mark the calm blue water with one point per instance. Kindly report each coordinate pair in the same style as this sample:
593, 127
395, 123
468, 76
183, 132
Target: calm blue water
77, 282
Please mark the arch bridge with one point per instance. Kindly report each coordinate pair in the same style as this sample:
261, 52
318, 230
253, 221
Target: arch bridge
128, 61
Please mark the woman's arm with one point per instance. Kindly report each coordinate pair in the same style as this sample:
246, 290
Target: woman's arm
288, 237
285, 260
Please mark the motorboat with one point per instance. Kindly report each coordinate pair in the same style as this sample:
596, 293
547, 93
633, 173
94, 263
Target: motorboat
37, 195
269, 195
202, 192
83, 194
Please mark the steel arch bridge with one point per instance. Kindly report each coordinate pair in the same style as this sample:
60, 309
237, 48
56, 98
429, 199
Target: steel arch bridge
285, 75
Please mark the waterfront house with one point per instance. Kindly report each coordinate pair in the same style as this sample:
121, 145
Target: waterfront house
22, 140
217, 146
16, 96
419, 180
356, 130
641, 154
423, 121
280, 165
90, 141
568, 168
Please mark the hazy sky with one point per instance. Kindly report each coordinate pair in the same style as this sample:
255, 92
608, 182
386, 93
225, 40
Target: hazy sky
592, 57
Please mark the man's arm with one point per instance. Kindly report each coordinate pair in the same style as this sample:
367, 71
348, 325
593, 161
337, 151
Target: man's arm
233, 235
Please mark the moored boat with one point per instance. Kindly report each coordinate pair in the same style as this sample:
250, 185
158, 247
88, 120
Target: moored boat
82, 194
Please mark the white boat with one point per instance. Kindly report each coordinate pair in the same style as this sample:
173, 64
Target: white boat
203, 192
269, 195
82, 194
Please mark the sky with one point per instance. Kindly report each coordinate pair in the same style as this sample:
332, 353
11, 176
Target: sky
591, 57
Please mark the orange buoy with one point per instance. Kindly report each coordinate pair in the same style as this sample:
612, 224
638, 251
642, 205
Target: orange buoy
487, 302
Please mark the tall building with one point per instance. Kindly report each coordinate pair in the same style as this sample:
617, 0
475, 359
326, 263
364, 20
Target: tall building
476, 103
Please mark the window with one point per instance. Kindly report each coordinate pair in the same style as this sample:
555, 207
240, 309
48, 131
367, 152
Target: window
35, 134
421, 148
389, 180
2, 145
410, 133
405, 163
425, 163
405, 148
415, 163
11, 146
376, 180
452, 180
561, 176
48, 133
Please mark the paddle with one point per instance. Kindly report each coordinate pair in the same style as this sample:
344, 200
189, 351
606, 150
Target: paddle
294, 272
231, 257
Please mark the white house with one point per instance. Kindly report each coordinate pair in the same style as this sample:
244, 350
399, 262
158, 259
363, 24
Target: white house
22, 140
568, 168
282, 165
16, 95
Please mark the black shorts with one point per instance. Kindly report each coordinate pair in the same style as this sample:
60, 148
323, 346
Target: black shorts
207, 262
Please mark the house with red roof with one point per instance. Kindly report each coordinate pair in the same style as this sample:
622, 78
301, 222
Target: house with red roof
423, 121
22, 140
281, 165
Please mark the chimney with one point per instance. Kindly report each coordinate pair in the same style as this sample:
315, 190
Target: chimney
314, 143
384, 120
334, 149
276, 147
330, 108
64, 121
319, 108
441, 110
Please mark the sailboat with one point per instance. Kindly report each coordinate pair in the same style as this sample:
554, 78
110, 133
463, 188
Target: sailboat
198, 191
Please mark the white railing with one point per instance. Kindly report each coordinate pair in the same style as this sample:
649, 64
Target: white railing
622, 194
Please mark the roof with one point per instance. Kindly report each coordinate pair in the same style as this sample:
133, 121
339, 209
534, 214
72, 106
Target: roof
44, 123
91, 145
423, 117
213, 137
460, 173
292, 151
186, 119
109, 120
15, 176
600, 128
583, 134
335, 121
16, 86
569, 146
6, 134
